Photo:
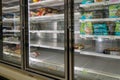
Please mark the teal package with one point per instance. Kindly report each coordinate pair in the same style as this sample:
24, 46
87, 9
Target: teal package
87, 1
99, 26
97, 33
100, 30
117, 33
114, 11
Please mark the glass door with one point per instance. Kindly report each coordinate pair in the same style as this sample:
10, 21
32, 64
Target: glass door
97, 45
11, 32
46, 36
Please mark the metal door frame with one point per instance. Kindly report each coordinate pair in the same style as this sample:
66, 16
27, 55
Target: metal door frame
68, 42
69, 55
69, 39
1, 38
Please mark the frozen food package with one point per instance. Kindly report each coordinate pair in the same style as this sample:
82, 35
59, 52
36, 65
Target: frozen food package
100, 14
114, 0
87, 1
87, 15
36, 0
46, 11
100, 29
114, 11
117, 28
100, 26
86, 28
99, 0
8, 15
111, 28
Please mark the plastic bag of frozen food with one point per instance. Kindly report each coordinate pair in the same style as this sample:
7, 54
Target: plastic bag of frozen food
117, 28
86, 28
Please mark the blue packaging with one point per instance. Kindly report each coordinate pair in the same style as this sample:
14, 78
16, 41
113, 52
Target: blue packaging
87, 1
100, 26
117, 33
100, 29
8, 15
96, 33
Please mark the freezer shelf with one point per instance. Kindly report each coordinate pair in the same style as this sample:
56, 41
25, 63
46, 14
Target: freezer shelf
96, 65
47, 3
45, 44
35, 5
61, 18
49, 45
11, 42
91, 51
46, 61
11, 20
54, 17
83, 65
50, 31
100, 20
46, 31
11, 31
11, 9
94, 37
99, 55
41, 18
99, 4
9, 1
11, 57
11, 54
55, 61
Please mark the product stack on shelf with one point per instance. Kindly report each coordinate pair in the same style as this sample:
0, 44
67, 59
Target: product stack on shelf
100, 20
101, 28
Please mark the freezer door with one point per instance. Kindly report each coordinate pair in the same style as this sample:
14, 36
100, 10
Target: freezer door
11, 32
46, 37
97, 45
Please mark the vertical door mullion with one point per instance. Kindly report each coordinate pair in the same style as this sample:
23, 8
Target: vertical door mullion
24, 32
66, 40
26, 35
69, 39
1, 33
